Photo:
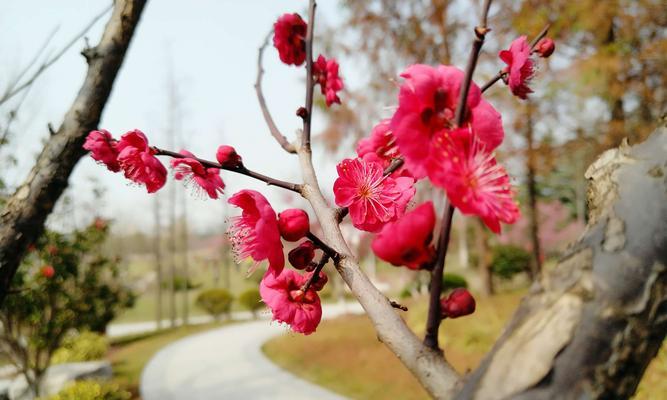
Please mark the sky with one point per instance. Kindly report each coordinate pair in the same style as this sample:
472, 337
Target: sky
210, 49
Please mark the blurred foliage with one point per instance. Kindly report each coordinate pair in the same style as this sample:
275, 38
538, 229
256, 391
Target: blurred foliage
65, 284
84, 346
215, 302
509, 260
452, 281
180, 284
251, 300
91, 390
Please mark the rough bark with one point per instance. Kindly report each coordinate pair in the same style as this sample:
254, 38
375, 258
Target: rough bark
597, 320
22, 219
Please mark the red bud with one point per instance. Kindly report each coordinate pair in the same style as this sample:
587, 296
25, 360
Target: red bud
293, 224
545, 47
301, 256
459, 303
227, 157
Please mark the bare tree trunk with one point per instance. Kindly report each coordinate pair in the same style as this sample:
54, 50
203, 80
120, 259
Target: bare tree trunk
533, 214
22, 219
484, 259
158, 261
186, 266
600, 317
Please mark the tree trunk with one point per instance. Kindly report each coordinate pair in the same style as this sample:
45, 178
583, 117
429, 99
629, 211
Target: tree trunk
484, 259
599, 318
22, 219
531, 182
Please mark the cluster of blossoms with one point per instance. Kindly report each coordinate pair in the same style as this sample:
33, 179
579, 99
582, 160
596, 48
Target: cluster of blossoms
289, 38
427, 138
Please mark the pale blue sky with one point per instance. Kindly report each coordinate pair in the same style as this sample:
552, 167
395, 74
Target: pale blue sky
212, 48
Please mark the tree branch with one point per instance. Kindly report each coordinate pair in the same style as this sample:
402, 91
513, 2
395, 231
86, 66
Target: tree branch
22, 219
11, 92
241, 169
310, 83
316, 272
434, 318
273, 128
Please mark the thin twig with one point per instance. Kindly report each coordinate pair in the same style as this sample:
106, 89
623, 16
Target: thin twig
324, 247
310, 83
273, 128
316, 272
434, 318
294, 187
32, 62
501, 73
55, 58
480, 34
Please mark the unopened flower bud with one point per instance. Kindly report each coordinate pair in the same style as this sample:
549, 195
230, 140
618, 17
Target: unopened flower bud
293, 224
301, 256
47, 271
320, 282
227, 157
545, 47
459, 303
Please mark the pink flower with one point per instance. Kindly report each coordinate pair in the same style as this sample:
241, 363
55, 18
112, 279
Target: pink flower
293, 224
381, 147
138, 162
545, 47
289, 304
520, 67
427, 106
102, 147
289, 38
373, 199
325, 72
475, 183
227, 157
407, 241
255, 232
190, 171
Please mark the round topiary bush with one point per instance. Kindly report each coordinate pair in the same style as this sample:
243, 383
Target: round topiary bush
84, 346
251, 301
215, 302
509, 260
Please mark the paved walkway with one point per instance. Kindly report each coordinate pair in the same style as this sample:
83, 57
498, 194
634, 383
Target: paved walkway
228, 363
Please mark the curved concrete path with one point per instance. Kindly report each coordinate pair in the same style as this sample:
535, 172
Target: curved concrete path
228, 363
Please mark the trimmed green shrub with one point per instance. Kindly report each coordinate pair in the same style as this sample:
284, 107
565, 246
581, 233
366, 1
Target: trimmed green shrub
215, 302
509, 260
91, 390
84, 346
251, 301
453, 281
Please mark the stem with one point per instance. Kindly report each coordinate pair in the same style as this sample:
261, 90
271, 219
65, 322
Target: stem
294, 187
316, 273
533, 43
434, 317
325, 247
310, 84
480, 34
273, 128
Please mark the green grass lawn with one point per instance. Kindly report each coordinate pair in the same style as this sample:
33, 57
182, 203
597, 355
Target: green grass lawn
345, 355
129, 355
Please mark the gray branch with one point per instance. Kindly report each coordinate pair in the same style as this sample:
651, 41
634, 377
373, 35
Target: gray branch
22, 219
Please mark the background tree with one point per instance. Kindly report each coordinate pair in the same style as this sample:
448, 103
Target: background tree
66, 284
